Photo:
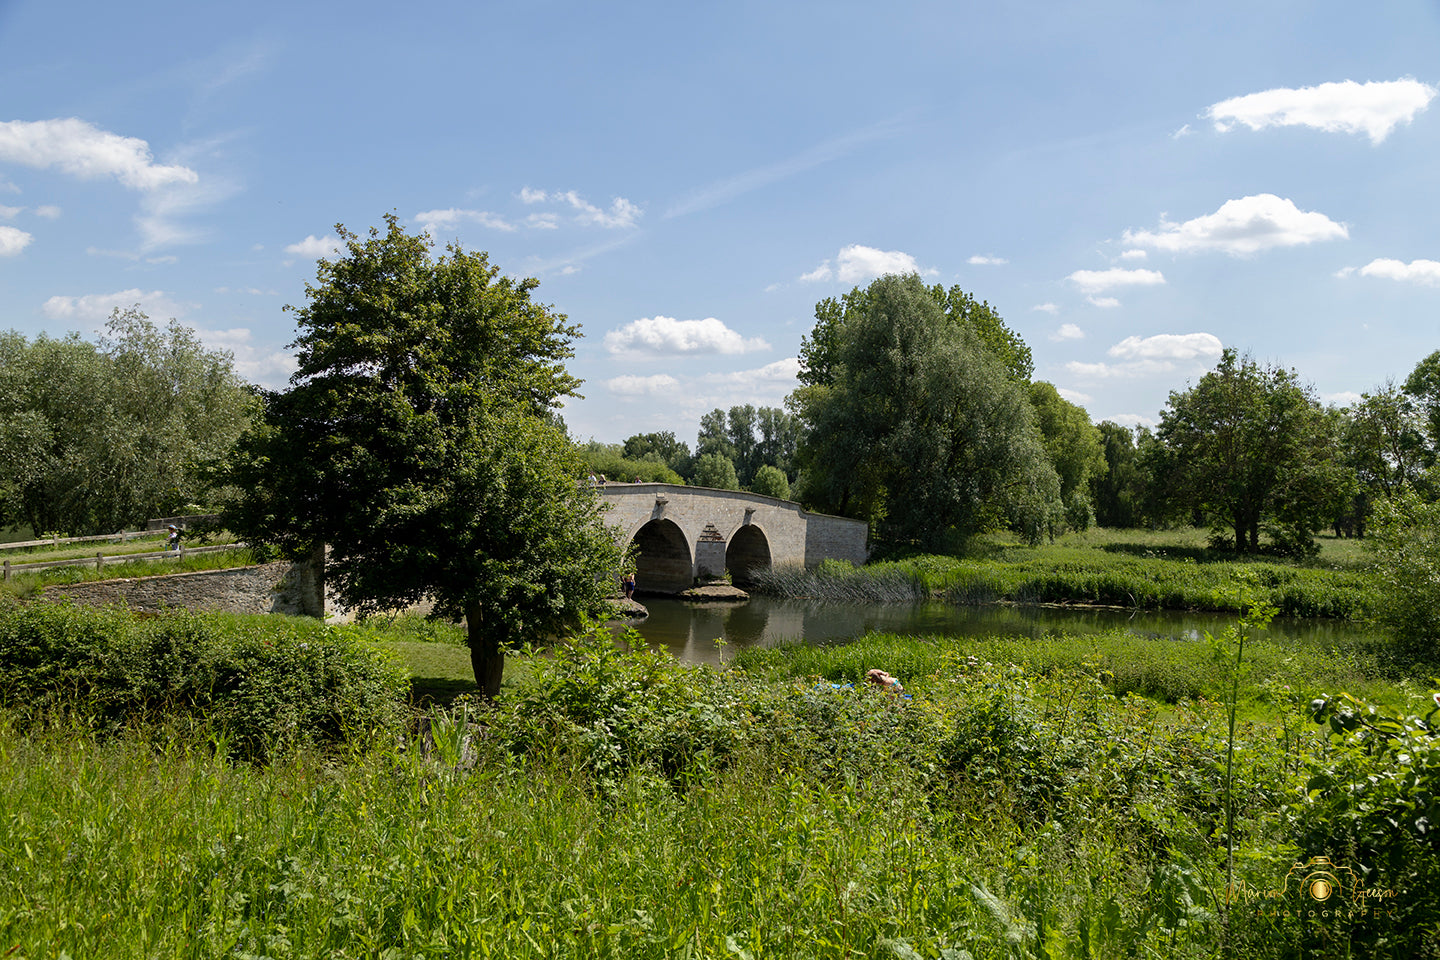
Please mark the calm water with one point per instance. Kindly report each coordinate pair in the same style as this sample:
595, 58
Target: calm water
689, 630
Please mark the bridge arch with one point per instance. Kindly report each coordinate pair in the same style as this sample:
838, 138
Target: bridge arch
663, 563
749, 549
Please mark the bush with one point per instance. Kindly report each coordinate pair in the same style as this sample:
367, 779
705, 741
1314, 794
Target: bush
771, 482
267, 684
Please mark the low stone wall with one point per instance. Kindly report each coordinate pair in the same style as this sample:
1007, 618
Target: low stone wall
267, 588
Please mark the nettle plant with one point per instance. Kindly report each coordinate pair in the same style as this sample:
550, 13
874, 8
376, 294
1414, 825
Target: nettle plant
1372, 802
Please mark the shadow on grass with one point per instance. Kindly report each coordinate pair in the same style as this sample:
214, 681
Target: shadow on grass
1150, 551
438, 691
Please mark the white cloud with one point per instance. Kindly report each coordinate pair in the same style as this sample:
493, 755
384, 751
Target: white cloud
1049, 308
48, 211
778, 373
543, 221
1134, 255
1104, 302
1426, 272
1068, 331
9, 213
1149, 356
1345, 398
856, 263
981, 261
630, 385
313, 247
1074, 396
1132, 420
96, 307
1169, 346
622, 213
252, 291
1097, 281
13, 240
1242, 227
1373, 109
666, 336
1184, 131
432, 221
83, 150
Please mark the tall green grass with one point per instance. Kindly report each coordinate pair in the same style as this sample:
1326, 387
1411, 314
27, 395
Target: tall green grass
1083, 576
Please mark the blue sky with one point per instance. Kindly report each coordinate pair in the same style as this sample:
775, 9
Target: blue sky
1131, 185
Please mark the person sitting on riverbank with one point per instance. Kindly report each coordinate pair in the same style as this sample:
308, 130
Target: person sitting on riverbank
884, 681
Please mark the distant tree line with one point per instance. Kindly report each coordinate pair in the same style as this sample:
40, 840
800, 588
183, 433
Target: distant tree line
96, 437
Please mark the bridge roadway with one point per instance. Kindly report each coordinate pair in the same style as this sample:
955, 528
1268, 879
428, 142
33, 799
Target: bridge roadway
684, 533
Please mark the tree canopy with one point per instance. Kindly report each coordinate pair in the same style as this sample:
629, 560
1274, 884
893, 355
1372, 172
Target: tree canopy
417, 441
99, 436
1246, 446
915, 424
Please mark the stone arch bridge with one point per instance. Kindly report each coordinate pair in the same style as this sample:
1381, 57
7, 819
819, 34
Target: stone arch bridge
687, 532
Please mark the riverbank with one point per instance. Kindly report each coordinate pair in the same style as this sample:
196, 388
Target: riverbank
1134, 570
623, 804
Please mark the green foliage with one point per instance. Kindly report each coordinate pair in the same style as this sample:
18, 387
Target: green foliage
733, 435
1074, 447
417, 441
1120, 490
1245, 447
1372, 803
1077, 575
606, 460
715, 470
661, 447
267, 686
100, 437
915, 425
1405, 543
770, 481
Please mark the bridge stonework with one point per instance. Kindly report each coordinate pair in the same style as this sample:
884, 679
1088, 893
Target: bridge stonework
684, 533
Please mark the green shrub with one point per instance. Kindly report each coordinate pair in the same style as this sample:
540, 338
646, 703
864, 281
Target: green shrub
268, 684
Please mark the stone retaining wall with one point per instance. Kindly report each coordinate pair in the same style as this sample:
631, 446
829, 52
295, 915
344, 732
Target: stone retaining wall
267, 588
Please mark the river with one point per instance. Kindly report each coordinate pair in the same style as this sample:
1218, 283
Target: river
689, 630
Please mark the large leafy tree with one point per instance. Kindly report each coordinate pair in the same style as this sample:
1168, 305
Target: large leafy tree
1247, 446
1120, 490
915, 424
416, 441
100, 436
1075, 449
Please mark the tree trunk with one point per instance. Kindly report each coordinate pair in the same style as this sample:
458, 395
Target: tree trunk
486, 657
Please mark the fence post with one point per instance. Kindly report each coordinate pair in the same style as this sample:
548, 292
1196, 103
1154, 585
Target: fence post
181, 551
7, 569
54, 538
99, 561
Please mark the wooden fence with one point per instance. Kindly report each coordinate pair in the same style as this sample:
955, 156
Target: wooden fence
100, 561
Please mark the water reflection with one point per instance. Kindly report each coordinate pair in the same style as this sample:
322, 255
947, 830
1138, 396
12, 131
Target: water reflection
689, 630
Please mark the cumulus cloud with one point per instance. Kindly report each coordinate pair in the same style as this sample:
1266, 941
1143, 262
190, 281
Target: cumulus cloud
621, 214
83, 150
1148, 356
13, 240
779, 372
1132, 420
1426, 272
1049, 308
95, 307
1074, 396
313, 247
666, 336
1374, 109
1096, 281
1345, 398
630, 385
1134, 255
432, 221
856, 263
1068, 331
1242, 227
48, 211
9, 213
980, 261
